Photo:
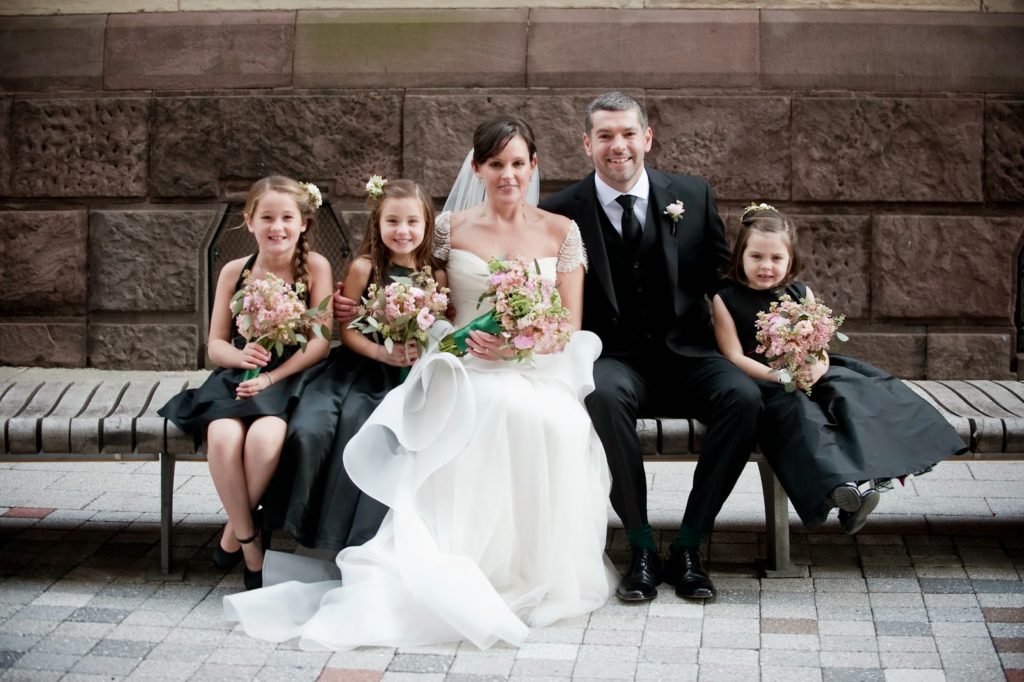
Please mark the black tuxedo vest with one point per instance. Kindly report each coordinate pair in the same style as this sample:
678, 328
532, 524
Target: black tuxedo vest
642, 290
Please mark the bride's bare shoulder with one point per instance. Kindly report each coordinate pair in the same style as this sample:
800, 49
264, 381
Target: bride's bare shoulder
557, 226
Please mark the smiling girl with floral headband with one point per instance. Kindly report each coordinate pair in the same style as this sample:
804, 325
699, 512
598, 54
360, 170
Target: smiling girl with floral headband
840, 443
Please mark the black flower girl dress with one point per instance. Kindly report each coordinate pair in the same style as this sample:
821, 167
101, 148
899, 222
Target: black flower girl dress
859, 423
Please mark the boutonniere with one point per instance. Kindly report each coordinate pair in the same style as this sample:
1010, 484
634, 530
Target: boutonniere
675, 210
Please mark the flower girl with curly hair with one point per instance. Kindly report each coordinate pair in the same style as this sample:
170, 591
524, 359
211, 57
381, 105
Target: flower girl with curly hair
245, 419
859, 428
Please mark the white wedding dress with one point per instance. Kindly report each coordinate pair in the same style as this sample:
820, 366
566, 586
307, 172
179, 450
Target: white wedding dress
498, 489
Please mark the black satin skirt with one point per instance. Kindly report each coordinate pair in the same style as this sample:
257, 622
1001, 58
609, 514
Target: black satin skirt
311, 496
859, 423
194, 409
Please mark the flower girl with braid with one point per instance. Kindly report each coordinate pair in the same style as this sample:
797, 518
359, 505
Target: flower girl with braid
312, 496
244, 420
858, 429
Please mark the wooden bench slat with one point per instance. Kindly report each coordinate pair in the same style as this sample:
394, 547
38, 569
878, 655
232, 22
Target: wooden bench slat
1001, 394
23, 429
55, 428
87, 427
117, 427
18, 395
149, 426
978, 399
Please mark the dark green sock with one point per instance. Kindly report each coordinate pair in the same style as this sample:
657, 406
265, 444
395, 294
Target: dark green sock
687, 537
642, 538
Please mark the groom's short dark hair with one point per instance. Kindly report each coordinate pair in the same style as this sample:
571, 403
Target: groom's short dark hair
613, 101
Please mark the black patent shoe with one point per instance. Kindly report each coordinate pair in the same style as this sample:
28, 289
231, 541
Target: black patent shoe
686, 572
253, 579
225, 560
642, 577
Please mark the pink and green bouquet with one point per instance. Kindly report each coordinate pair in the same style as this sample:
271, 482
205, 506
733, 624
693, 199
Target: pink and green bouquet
527, 312
272, 314
792, 335
402, 311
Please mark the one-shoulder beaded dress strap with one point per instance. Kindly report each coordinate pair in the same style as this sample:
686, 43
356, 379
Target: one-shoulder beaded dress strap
572, 253
443, 236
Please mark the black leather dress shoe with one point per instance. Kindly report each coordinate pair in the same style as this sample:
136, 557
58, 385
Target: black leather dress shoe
642, 577
685, 571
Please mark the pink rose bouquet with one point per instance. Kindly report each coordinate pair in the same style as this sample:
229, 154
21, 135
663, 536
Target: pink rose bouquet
792, 335
403, 310
527, 312
271, 313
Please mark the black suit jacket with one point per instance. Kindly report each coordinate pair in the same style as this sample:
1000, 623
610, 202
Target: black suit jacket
694, 250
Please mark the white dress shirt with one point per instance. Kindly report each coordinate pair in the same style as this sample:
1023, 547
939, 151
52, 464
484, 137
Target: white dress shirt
607, 196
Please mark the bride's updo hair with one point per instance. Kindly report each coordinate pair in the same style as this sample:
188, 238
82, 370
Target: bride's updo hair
492, 135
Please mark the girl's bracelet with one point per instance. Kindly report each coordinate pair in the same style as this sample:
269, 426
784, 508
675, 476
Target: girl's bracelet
269, 376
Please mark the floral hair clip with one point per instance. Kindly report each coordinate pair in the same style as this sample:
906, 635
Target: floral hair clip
375, 187
316, 199
757, 207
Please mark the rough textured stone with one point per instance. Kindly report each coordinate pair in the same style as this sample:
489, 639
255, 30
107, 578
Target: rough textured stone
5, 146
438, 132
1004, 150
900, 351
323, 138
418, 48
143, 346
835, 257
43, 262
644, 48
978, 354
862, 149
131, 251
42, 344
740, 144
835, 252
51, 53
922, 267
892, 51
199, 50
80, 147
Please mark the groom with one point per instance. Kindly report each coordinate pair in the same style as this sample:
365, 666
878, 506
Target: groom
657, 248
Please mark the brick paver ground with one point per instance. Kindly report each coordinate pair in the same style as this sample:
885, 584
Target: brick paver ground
930, 590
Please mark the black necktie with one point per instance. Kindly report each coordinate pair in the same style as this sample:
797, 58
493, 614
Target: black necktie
630, 225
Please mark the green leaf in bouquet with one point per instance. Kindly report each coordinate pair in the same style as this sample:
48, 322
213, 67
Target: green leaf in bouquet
236, 302
292, 338
322, 331
373, 323
401, 279
323, 304
389, 344
302, 341
842, 337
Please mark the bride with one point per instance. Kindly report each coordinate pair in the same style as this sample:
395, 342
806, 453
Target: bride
496, 481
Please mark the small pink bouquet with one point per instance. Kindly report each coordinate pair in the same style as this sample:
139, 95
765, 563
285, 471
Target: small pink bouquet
527, 312
403, 310
792, 335
269, 312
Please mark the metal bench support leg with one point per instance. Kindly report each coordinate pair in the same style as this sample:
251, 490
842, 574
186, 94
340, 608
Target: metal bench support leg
166, 510
776, 511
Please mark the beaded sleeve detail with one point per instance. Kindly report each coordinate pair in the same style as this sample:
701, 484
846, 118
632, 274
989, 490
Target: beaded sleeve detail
443, 236
572, 253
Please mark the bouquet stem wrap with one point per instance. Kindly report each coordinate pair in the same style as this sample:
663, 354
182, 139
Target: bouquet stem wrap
455, 343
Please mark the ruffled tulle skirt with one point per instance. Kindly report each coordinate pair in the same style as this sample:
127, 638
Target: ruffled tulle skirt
498, 490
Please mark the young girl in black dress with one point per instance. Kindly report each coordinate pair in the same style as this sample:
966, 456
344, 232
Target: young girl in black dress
312, 496
859, 427
245, 420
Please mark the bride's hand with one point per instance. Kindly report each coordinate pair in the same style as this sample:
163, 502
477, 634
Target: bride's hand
486, 346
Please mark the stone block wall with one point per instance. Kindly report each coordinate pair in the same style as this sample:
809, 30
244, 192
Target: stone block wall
894, 138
